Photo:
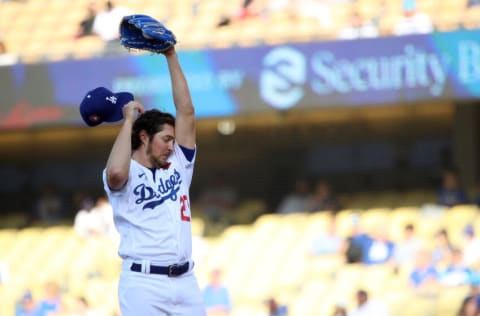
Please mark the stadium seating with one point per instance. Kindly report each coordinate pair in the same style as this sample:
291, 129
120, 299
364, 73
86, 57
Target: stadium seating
51, 35
268, 258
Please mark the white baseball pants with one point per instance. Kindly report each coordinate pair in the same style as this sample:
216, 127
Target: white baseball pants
143, 294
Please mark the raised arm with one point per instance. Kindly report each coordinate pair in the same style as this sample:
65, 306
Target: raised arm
185, 113
118, 163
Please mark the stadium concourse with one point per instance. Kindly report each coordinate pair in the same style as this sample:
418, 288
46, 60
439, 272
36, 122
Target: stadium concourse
384, 162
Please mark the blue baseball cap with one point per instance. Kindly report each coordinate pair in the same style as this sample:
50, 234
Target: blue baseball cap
102, 105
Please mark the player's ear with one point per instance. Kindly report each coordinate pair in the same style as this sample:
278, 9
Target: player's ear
143, 137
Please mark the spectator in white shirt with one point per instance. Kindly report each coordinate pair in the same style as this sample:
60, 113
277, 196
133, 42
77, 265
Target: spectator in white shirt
407, 248
367, 307
107, 23
471, 247
295, 201
97, 221
412, 22
358, 28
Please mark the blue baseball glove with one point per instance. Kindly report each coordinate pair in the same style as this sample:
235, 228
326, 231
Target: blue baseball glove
142, 32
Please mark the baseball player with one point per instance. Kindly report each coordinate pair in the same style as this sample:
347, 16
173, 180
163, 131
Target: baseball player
147, 179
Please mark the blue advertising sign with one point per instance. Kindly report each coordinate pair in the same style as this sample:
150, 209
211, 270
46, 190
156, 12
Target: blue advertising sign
226, 82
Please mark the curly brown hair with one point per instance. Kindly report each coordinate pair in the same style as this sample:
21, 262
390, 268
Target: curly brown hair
151, 122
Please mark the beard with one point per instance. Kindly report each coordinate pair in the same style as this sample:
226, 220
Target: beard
159, 161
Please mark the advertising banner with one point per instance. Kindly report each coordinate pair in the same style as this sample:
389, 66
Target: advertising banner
228, 82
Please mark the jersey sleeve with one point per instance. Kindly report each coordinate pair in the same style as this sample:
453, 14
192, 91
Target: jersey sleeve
114, 192
185, 164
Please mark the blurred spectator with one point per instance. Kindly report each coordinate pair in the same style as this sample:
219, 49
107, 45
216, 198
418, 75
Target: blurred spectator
104, 211
85, 28
82, 199
218, 199
379, 249
328, 241
288, 6
469, 307
356, 244
107, 22
358, 28
472, 3
216, 295
51, 302
340, 309
26, 306
407, 248
451, 192
456, 272
322, 198
243, 12
49, 205
471, 246
412, 22
475, 289
4, 273
86, 224
6, 58
3, 47
424, 275
98, 221
296, 200
320, 10
442, 249
275, 308
107, 26
367, 307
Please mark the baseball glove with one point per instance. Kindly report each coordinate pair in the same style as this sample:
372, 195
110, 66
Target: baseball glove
142, 32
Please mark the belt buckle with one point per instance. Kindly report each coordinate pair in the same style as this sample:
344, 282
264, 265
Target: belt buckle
171, 270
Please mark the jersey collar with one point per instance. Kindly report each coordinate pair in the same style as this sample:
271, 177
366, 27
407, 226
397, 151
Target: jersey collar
167, 165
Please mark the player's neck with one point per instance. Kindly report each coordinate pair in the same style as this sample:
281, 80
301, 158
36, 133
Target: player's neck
142, 159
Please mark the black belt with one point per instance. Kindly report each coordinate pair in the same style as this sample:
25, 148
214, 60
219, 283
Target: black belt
171, 270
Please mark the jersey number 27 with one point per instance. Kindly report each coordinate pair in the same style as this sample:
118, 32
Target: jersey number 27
183, 208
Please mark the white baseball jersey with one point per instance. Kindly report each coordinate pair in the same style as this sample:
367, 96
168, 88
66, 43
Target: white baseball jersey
152, 211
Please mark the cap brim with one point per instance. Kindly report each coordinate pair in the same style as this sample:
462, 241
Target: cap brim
122, 99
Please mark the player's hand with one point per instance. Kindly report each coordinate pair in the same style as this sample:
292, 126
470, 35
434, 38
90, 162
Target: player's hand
131, 109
